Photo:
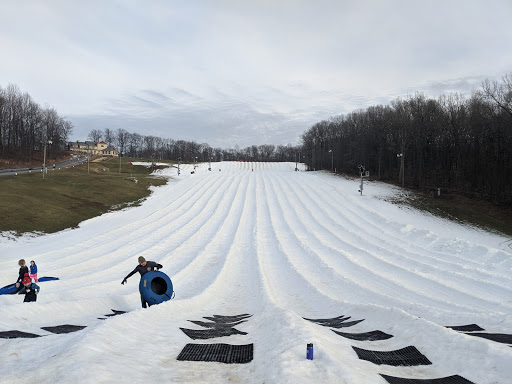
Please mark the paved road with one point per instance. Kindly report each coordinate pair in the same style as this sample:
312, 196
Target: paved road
77, 160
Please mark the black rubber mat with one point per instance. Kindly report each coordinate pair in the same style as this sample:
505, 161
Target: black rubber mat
221, 353
344, 325
211, 333
456, 379
227, 319
66, 328
497, 337
408, 356
466, 328
335, 322
115, 313
367, 336
17, 334
213, 324
323, 321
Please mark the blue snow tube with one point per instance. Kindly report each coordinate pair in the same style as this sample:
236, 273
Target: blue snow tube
156, 287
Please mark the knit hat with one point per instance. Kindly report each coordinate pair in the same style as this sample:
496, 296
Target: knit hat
26, 279
141, 259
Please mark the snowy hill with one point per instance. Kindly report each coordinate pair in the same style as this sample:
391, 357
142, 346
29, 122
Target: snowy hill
261, 239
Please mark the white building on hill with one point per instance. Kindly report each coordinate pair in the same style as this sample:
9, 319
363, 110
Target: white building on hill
93, 148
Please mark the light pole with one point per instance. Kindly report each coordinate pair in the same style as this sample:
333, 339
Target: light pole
332, 160
44, 155
401, 171
179, 160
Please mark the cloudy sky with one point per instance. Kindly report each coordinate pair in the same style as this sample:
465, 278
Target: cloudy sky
229, 72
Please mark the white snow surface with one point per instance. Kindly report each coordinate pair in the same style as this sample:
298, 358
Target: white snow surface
261, 239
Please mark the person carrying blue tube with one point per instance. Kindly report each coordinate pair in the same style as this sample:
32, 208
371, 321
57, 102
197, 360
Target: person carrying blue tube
143, 267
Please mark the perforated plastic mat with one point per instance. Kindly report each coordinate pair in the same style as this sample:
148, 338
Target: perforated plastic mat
407, 356
367, 336
466, 328
221, 353
456, 379
497, 337
17, 334
66, 328
211, 333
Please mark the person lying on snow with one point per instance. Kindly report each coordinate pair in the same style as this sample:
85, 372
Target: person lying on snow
143, 267
29, 289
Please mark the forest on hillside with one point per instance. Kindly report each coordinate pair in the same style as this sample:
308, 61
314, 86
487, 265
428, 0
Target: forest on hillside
136, 145
26, 127
461, 144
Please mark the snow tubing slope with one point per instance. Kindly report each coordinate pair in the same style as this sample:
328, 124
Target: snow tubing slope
156, 287
12, 287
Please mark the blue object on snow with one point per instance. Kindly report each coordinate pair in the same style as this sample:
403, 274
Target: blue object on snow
12, 287
156, 287
309, 351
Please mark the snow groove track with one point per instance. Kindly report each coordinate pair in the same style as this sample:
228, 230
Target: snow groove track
284, 246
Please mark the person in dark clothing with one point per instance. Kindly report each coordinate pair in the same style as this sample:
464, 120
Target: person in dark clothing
28, 288
23, 270
143, 267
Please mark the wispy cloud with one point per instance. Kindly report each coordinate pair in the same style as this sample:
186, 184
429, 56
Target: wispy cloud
244, 72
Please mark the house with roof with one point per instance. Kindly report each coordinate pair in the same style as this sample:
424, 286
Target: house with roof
92, 148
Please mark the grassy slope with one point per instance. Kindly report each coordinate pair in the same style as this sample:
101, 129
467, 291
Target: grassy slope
467, 211
68, 196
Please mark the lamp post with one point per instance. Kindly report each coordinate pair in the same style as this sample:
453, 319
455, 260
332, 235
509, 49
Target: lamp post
179, 160
332, 160
44, 155
401, 171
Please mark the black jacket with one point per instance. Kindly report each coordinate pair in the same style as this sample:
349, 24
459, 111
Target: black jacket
150, 266
23, 270
28, 290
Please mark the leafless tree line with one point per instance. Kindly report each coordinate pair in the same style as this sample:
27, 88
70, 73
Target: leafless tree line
25, 126
457, 143
151, 147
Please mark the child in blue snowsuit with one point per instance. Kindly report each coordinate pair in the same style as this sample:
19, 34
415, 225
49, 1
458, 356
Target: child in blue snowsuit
33, 271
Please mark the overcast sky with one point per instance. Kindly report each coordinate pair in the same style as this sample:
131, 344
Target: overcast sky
229, 72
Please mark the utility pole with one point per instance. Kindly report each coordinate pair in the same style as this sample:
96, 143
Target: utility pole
44, 155
363, 174
401, 170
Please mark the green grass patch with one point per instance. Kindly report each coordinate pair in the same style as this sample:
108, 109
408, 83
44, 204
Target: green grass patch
66, 197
